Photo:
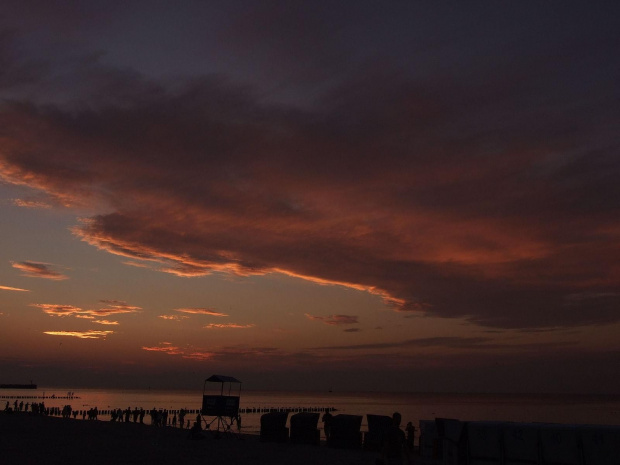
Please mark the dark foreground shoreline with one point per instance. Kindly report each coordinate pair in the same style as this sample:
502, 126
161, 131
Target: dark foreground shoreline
27, 439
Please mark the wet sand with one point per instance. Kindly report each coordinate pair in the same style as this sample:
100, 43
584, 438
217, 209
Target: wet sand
27, 439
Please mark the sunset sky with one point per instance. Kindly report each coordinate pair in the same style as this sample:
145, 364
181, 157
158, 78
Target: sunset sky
366, 195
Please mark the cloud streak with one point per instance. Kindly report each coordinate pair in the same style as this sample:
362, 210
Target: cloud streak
334, 320
173, 317
228, 326
29, 203
9, 288
110, 308
90, 334
38, 270
200, 311
452, 343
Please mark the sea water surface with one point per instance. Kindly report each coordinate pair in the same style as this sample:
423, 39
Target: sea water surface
546, 408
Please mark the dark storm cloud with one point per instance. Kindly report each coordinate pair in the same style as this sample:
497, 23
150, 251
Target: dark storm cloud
476, 183
15, 72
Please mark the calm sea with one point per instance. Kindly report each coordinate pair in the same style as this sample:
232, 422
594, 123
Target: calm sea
571, 409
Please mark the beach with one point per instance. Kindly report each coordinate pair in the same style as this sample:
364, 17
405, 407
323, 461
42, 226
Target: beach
35, 439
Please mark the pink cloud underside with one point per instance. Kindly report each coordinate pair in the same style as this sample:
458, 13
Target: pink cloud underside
39, 270
200, 311
81, 334
9, 288
334, 320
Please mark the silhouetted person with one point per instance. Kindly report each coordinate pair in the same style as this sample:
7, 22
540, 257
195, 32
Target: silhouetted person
410, 429
394, 443
182, 418
195, 432
327, 423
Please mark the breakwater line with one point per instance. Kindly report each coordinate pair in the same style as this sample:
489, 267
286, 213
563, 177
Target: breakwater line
43, 396
246, 410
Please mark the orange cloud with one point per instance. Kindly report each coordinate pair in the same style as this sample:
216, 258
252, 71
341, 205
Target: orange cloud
31, 203
91, 334
113, 308
227, 325
173, 317
8, 288
119, 304
222, 354
165, 347
136, 264
334, 320
199, 355
200, 311
59, 310
105, 322
38, 270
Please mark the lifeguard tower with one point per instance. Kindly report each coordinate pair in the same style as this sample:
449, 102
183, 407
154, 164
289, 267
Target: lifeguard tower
223, 407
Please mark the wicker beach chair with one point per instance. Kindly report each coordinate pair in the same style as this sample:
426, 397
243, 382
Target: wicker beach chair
345, 432
304, 428
273, 427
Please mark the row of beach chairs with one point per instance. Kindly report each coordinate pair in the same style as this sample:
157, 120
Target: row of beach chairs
345, 430
452, 442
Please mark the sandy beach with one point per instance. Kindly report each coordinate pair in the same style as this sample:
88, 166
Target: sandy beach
33, 439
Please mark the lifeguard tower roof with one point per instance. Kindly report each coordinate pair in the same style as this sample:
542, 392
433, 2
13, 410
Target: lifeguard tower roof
222, 379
